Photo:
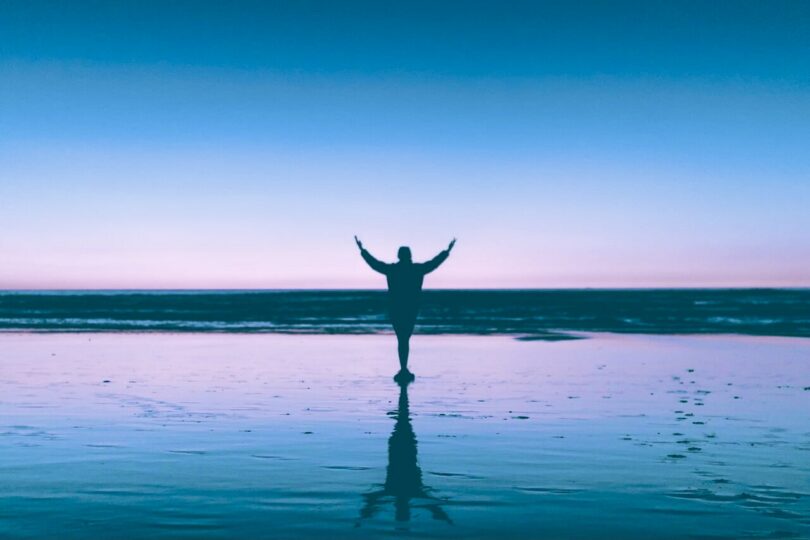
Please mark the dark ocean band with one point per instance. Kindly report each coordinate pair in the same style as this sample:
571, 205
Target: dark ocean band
530, 313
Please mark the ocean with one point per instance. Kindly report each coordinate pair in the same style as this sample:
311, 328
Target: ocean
526, 314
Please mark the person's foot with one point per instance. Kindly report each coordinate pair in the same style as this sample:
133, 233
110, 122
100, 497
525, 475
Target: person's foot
404, 376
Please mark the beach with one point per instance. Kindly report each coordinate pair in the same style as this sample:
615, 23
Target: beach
297, 270
186, 435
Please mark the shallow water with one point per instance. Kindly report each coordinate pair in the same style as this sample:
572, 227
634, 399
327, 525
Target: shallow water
274, 436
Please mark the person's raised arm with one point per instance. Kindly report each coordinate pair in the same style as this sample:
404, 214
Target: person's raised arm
436, 261
375, 264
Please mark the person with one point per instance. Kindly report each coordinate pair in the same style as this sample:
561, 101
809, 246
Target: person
404, 290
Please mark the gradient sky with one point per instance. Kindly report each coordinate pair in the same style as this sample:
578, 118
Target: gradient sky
241, 144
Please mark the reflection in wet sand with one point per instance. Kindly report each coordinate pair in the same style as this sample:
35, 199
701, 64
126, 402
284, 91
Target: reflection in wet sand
403, 480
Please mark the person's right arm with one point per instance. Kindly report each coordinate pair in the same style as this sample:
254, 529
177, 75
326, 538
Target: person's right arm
435, 262
375, 264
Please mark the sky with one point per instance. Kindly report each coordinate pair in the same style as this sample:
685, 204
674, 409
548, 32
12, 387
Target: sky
169, 144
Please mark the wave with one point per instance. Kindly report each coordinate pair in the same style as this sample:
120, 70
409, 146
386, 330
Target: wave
776, 312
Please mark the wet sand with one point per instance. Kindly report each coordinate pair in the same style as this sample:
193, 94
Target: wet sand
272, 436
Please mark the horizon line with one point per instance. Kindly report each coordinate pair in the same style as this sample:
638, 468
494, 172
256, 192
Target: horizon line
382, 289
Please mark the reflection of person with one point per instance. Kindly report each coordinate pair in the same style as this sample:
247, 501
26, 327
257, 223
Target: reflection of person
403, 479
404, 288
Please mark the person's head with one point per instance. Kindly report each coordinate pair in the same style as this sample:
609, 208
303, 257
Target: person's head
404, 254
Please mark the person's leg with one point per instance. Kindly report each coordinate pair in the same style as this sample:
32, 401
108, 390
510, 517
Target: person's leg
403, 322
404, 348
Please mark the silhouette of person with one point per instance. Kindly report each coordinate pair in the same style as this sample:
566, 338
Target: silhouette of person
404, 290
403, 478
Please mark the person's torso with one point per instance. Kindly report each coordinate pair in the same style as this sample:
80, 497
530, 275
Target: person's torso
405, 282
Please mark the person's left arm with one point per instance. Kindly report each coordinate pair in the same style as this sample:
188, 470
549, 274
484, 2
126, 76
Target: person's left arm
374, 263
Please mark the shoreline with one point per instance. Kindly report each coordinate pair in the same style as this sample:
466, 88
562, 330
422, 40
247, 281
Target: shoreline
551, 337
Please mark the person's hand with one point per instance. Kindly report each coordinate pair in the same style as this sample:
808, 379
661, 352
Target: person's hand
452, 243
359, 243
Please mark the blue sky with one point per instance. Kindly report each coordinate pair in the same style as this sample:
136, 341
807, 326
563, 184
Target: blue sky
194, 144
